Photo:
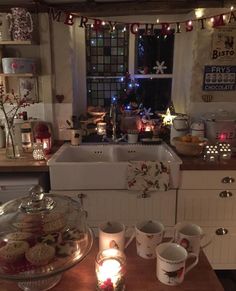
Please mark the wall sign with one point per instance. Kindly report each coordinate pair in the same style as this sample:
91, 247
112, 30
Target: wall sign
219, 78
224, 44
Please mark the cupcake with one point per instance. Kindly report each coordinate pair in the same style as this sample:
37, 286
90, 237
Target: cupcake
41, 254
13, 251
18, 236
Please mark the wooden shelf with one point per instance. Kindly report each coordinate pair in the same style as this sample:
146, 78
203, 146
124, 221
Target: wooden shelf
16, 42
17, 75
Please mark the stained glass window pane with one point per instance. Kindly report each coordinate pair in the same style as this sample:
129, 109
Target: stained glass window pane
107, 56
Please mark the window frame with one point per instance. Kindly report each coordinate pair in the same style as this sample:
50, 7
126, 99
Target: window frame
80, 88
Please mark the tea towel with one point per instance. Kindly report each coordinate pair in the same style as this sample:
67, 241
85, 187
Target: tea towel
148, 175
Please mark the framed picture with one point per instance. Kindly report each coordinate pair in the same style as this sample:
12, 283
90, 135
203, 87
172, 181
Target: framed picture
28, 87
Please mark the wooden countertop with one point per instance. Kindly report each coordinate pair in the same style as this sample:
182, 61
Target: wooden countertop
197, 163
140, 276
26, 163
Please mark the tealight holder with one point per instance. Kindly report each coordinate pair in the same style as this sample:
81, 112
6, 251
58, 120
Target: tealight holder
110, 270
38, 152
211, 153
101, 128
225, 151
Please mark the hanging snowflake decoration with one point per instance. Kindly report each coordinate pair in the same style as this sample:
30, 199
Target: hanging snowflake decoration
146, 114
160, 67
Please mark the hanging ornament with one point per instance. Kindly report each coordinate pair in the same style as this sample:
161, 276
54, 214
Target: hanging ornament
146, 114
160, 67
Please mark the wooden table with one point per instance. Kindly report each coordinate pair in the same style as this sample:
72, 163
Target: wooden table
141, 276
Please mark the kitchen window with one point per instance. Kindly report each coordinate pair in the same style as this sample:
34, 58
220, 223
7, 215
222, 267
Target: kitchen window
148, 59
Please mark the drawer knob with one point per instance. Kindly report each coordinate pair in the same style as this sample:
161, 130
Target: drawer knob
222, 231
225, 194
227, 180
144, 195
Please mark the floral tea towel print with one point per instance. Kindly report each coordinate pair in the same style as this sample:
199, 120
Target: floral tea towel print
148, 175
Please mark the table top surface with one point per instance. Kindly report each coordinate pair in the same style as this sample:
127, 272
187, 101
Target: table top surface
140, 276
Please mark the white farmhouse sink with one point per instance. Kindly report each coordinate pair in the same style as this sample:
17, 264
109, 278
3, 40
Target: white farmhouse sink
104, 166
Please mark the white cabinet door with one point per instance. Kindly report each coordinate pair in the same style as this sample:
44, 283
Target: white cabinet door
222, 251
213, 210
207, 207
126, 206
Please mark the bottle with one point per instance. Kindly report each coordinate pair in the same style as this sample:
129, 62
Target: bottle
26, 135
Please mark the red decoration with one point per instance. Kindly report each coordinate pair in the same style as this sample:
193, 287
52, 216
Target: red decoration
43, 136
218, 21
69, 19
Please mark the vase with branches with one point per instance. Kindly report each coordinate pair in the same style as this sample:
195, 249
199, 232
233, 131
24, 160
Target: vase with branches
10, 104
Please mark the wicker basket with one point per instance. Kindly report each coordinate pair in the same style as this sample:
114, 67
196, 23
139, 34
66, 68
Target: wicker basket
189, 148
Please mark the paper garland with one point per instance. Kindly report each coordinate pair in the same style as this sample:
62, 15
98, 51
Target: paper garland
166, 27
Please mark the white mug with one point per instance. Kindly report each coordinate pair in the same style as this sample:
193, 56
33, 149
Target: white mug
171, 260
149, 234
113, 234
76, 136
132, 137
189, 236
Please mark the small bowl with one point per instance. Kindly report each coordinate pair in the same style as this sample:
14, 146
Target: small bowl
189, 148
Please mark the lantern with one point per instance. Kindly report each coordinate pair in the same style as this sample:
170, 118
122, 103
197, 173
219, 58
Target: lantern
43, 136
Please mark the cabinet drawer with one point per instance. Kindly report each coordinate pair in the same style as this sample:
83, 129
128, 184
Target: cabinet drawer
208, 207
221, 252
208, 180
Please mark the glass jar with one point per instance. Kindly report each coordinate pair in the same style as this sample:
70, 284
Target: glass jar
110, 270
12, 148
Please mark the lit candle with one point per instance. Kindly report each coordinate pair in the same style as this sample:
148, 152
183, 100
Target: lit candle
101, 128
110, 270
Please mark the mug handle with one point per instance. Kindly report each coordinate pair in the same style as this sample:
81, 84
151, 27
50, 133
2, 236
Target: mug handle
31, 22
191, 255
172, 237
208, 242
10, 20
131, 237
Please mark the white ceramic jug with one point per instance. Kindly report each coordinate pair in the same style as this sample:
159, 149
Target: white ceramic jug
21, 24
4, 27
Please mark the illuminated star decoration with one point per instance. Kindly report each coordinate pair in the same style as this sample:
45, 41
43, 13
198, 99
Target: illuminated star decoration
160, 67
167, 117
146, 114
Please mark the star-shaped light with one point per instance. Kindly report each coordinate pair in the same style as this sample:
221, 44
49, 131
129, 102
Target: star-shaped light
160, 67
167, 117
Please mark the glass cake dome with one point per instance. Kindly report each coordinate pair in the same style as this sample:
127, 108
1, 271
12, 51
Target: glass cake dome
41, 236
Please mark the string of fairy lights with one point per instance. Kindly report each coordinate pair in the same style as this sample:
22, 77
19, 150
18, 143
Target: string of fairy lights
166, 28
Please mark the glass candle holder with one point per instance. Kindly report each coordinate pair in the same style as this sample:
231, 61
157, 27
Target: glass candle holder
110, 270
101, 128
38, 151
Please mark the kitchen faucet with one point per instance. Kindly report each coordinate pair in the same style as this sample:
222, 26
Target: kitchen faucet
113, 116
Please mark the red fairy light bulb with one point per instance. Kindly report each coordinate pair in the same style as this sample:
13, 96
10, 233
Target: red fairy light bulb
44, 136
